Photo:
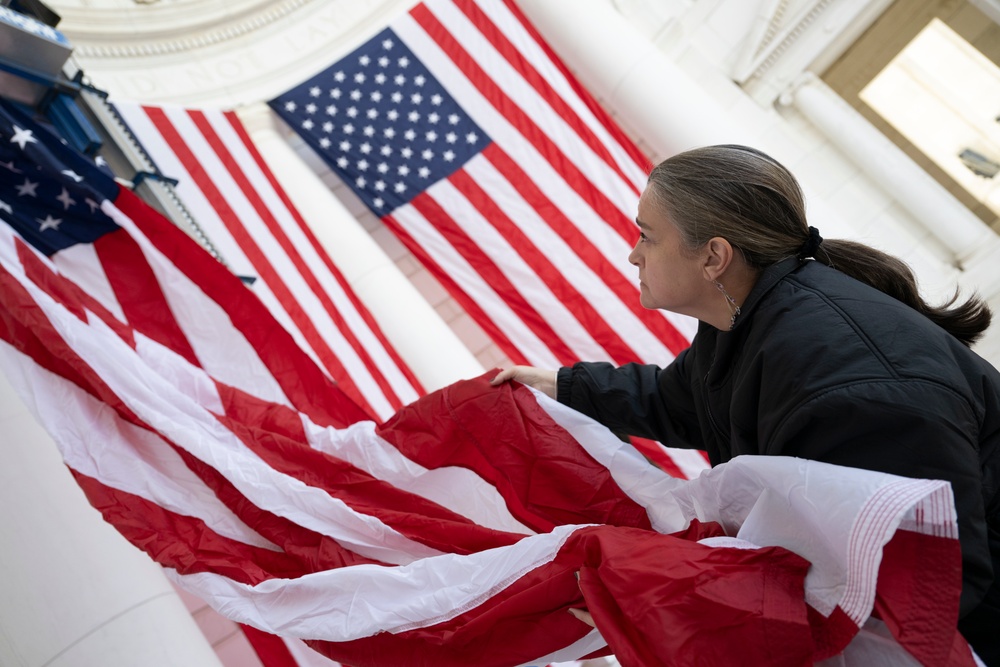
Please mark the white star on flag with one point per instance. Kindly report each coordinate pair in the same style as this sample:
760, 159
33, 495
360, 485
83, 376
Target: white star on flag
49, 223
72, 174
27, 189
23, 137
65, 199
4, 206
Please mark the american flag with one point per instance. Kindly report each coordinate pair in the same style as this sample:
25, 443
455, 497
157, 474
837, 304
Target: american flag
461, 130
451, 534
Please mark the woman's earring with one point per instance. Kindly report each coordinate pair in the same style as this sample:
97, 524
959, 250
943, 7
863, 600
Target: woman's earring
734, 310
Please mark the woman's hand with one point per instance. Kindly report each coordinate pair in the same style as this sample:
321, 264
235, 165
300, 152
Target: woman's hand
541, 379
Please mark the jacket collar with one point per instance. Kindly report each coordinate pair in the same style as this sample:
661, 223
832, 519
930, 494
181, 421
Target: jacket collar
771, 276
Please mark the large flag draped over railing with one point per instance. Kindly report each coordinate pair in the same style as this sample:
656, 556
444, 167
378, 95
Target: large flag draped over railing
462, 131
458, 532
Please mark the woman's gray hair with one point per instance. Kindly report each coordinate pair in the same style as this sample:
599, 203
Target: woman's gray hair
734, 192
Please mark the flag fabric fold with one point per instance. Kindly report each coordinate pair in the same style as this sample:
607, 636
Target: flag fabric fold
199, 428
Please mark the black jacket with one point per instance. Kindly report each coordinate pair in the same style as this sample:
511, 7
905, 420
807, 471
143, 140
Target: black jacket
823, 367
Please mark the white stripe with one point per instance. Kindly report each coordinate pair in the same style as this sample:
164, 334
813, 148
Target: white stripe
590, 286
444, 255
523, 278
590, 642
196, 202
620, 193
80, 264
190, 426
130, 458
457, 489
360, 601
526, 45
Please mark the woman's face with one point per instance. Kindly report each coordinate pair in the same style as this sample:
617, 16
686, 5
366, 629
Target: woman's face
670, 276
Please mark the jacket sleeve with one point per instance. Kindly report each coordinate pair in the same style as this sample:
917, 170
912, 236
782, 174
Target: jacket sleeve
913, 428
634, 399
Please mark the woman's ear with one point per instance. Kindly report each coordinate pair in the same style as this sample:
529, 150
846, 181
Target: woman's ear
717, 258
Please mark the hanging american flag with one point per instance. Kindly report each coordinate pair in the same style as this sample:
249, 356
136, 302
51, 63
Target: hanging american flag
459, 128
451, 534
241, 207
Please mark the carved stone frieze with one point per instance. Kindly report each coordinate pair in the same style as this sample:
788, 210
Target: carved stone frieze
98, 45
214, 53
790, 36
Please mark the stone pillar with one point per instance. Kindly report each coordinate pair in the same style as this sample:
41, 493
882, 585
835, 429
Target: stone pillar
431, 349
73, 592
651, 95
936, 209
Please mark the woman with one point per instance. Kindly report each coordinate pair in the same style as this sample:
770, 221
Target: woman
806, 347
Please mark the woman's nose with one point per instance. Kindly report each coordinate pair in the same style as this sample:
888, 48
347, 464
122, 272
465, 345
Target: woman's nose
633, 257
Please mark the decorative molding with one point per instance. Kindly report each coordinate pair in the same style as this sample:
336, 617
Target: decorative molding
188, 42
779, 50
778, 39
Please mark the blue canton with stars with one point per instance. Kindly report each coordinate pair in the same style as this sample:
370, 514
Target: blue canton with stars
383, 123
49, 192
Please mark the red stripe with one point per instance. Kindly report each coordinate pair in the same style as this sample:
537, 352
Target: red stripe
537, 137
310, 391
140, 295
491, 273
365, 314
921, 611
594, 259
641, 161
457, 292
554, 279
523, 66
260, 261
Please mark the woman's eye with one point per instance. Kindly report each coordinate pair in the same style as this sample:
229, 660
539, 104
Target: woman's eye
642, 237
